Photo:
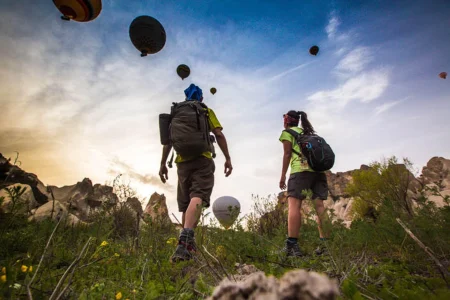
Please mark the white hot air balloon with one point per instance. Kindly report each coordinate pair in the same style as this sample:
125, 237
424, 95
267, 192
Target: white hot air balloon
226, 209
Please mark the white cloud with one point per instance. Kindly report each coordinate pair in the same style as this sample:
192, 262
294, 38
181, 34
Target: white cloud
332, 26
364, 87
387, 106
355, 61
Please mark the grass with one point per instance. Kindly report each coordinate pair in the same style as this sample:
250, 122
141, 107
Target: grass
113, 258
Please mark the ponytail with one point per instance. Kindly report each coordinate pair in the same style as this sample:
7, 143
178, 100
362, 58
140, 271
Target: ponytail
306, 125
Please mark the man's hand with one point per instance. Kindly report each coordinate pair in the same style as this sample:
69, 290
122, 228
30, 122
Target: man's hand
283, 182
228, 168
163, 173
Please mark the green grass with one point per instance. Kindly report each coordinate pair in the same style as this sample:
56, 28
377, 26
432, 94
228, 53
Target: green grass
374, 259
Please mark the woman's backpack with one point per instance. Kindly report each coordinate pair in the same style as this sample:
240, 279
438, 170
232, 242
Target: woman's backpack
315, 149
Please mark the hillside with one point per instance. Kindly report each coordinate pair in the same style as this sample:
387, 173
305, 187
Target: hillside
92, 241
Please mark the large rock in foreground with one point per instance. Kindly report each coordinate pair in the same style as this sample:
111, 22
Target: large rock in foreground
298, 284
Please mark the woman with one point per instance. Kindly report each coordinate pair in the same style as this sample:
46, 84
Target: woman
302, 180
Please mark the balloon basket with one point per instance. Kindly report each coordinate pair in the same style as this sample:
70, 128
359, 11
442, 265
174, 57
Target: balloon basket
65, 18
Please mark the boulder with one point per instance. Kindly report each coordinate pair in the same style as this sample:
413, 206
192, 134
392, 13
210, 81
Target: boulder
296, 284
25, 204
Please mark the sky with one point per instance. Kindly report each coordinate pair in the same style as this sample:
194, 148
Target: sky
77, 100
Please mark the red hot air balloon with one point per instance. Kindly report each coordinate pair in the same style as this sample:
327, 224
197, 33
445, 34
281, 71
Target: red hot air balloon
443, 75
79, 10
147, 35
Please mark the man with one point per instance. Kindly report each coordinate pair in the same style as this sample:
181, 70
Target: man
301, 180
195, 177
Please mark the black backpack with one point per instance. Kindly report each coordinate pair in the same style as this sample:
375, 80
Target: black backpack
315, 149
189, 128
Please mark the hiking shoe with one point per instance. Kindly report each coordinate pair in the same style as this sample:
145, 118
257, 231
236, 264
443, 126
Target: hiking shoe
181, 254
293, 250
186, 246
322, 249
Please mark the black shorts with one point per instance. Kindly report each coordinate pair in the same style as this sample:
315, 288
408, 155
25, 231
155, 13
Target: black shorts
195, 179
314, 181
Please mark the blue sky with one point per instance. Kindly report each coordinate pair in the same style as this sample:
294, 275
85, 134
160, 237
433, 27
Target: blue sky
78, 101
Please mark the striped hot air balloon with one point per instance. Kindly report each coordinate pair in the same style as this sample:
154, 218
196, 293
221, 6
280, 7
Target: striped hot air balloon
147, 35
226, 209
79, 10
183, 71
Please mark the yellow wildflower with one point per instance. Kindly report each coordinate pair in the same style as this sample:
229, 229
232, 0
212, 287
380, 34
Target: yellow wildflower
171, 241
104, 243
119, 295
116, 254
3, 270
24, 268
133, 291
30, 269
3, 278
221, 252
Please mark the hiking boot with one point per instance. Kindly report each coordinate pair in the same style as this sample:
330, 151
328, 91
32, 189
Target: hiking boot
322, 249
186, 246
293, 250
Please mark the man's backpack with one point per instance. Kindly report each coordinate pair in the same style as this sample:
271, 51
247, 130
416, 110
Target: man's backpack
189, 128
315, 149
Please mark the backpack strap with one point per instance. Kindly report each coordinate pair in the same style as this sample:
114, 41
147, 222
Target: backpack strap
295, 135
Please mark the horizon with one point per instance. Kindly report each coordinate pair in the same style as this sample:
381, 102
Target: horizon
78, 101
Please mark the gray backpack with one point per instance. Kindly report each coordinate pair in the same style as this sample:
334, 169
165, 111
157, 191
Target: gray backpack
189, 128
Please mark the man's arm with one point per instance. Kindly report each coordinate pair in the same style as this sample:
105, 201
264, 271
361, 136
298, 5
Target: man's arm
222, 142
163, 172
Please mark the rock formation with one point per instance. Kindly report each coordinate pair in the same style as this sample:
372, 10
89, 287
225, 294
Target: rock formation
156, 207
436, 171
79, 200
74, 202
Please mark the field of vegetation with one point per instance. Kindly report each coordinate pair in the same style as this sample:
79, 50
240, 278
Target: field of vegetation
117, 258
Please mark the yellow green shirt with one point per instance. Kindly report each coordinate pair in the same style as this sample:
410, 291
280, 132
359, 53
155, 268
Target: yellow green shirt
213, 124
298, 163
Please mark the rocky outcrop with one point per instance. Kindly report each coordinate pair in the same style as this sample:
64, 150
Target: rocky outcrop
81, 197
435, 175
156, 207
136, 205
12, 174
297, 284
23, 205
435, 179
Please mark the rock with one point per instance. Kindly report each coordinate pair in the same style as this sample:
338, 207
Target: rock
437, 169
81, 197
297, 284
74, 197
102, 194
156, 208
135, 204
11, 174
45, 211
24, 205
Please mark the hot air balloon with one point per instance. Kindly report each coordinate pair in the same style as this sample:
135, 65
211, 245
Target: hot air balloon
183, 71
213, 90
226, 209
147, 35
443, 75
314, 50
79, 10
